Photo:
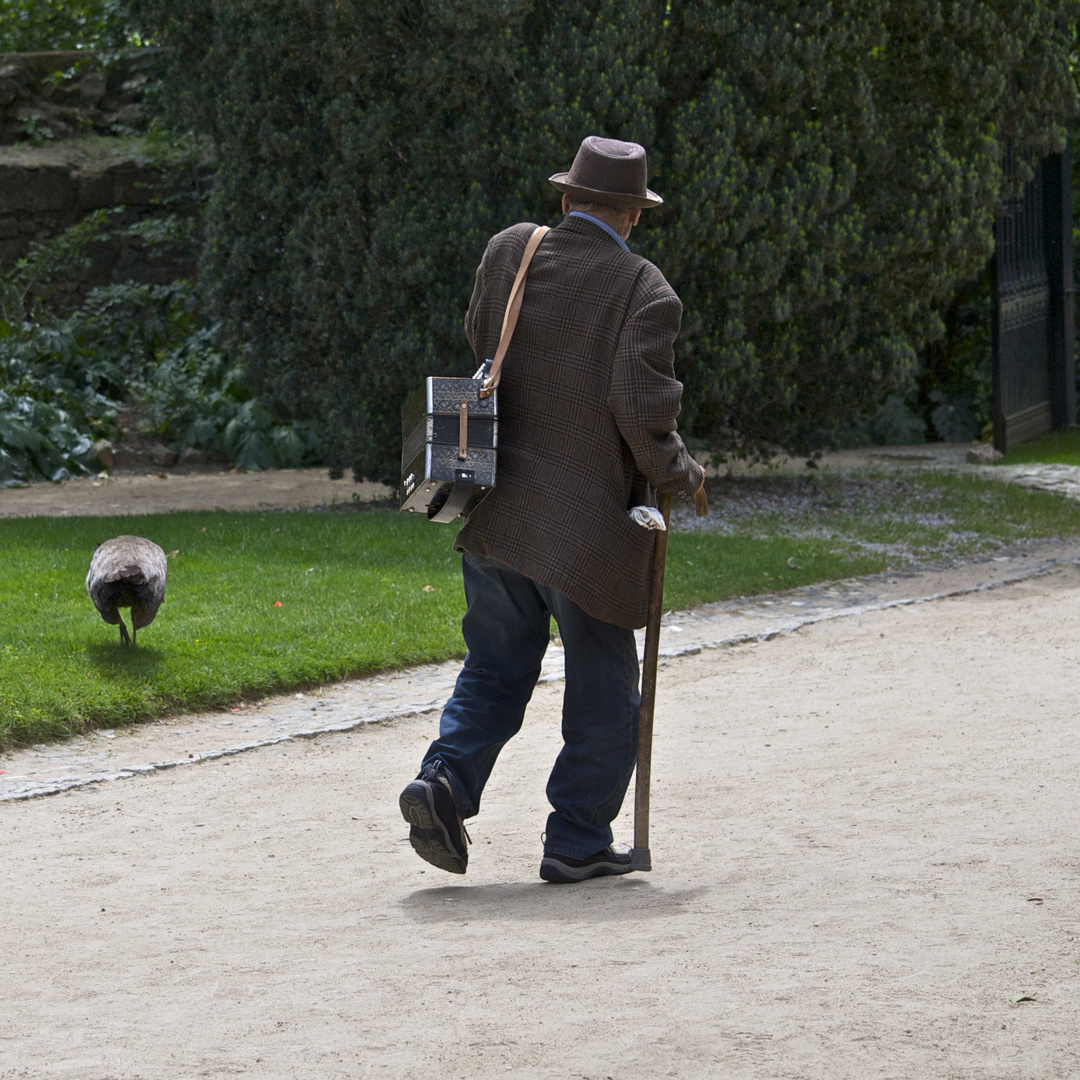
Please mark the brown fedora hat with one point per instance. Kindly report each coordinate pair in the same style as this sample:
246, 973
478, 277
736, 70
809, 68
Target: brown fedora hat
608, 171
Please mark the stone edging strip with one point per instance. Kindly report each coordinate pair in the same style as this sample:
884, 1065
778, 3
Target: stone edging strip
127, 773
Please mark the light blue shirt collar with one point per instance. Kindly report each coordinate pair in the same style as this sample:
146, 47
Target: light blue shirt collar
603, 225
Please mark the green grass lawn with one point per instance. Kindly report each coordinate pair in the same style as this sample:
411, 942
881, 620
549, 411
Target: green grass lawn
357, 592
1058, 448
264, 602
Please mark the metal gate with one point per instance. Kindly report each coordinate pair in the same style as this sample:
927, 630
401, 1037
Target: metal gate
1032, 328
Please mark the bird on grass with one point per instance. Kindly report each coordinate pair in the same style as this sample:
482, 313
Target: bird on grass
127, 571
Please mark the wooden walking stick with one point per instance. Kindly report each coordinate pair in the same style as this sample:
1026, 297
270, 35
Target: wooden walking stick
640, 856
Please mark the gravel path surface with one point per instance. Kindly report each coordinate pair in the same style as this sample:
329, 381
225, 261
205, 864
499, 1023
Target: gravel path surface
167, 490
865, 839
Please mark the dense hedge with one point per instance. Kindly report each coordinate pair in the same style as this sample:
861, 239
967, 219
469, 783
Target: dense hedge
832, 171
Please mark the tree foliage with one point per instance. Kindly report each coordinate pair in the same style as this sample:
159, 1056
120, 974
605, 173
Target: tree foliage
43, 25
831, 171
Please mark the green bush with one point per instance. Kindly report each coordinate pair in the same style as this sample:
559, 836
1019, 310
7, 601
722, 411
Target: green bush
64, 376
53, 392
831, 170
198, 398
894, 423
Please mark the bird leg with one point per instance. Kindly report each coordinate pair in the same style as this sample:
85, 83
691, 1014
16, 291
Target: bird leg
124, 639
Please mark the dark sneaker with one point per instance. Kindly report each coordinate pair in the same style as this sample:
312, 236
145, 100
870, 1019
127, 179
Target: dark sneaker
438, 833
563, 870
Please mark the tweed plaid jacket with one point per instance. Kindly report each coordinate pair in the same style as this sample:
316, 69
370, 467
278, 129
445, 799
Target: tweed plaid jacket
587, 406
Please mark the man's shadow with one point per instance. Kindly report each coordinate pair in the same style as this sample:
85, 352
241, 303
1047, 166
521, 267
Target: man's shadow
598, 900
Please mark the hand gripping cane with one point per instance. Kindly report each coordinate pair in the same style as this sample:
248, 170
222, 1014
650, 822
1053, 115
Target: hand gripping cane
640, 857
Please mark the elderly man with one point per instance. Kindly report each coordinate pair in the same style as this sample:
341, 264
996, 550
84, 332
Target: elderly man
587, 406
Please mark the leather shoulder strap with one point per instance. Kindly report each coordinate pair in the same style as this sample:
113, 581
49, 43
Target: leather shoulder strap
513, 309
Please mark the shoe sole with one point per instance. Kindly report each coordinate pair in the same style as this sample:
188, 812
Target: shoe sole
428, 836
560, 873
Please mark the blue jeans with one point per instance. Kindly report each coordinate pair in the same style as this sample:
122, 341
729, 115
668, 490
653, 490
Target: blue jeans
506, 629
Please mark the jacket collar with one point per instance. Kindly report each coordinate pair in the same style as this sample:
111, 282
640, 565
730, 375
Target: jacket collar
587, 225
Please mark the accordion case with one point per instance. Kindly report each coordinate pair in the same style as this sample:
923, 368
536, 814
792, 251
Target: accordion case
449, 426
449, 436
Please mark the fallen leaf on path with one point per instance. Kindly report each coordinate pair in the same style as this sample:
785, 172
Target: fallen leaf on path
1017, 998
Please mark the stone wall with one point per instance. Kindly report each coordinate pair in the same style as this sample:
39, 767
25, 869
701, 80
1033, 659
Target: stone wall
58, 95
39, 199
69, 145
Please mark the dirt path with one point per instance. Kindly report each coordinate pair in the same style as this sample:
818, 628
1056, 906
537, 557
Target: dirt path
161, 492
865, 837
152, 492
